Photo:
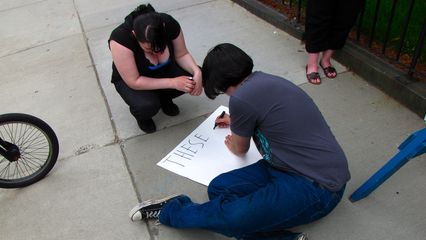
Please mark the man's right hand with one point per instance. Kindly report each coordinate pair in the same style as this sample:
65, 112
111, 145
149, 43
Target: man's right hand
223, 122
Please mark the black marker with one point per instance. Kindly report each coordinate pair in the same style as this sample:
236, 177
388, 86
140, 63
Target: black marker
221, 116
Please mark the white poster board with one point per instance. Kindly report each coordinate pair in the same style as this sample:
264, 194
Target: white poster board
203, 155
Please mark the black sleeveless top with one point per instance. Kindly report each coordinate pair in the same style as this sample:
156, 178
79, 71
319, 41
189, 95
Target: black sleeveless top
124, 36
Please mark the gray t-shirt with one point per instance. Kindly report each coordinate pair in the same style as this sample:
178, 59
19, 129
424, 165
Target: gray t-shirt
288, 129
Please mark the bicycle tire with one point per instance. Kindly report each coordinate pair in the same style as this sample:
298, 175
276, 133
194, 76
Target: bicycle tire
34, 164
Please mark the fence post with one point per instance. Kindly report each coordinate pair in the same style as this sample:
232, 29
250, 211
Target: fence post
418, 50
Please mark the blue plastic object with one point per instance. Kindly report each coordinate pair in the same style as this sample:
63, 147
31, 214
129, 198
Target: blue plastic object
412, 147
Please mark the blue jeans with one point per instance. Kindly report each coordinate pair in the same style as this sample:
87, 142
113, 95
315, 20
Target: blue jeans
254, 202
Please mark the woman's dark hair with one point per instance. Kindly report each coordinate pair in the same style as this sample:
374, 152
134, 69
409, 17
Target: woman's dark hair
141, 9
225, 65
149, 28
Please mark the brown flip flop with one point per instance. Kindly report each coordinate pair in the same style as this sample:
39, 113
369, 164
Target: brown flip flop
329, 71
311, 77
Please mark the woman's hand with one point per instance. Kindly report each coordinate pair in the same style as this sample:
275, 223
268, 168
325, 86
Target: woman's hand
198, 84
184, 84
185, 60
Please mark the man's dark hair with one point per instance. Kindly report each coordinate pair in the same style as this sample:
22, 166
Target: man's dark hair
149, 28
225, 65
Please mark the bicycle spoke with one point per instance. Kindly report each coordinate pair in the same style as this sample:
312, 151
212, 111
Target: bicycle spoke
27, 135
35, 161
29, 166
5, 171
35, 143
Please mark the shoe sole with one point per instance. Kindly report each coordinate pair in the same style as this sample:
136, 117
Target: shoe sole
302, 236
143, 204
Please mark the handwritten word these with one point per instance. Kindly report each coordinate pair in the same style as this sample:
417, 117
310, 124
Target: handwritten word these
187, 150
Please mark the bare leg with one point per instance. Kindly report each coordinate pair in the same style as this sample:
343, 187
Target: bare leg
326, 57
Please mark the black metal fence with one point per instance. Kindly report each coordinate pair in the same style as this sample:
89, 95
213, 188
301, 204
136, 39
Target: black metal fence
392, 29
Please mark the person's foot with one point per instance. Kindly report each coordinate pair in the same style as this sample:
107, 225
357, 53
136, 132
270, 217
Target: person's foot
169, 108
149, 209
147, 126
329, 71
312, 75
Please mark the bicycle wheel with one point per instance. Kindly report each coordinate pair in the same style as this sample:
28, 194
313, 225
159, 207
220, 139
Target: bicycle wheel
38, 147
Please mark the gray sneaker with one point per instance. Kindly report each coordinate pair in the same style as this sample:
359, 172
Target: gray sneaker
149, 209
302, 236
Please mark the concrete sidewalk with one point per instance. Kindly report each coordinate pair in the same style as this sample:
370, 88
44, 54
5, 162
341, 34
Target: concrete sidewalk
55, 64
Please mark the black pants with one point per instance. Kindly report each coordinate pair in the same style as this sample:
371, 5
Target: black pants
328, 23
144, 104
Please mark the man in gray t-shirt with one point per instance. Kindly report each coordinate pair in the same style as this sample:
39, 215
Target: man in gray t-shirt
301, 177
295, 136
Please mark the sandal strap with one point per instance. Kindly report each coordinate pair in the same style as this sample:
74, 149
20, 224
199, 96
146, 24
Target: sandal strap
329, 69
313, 75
